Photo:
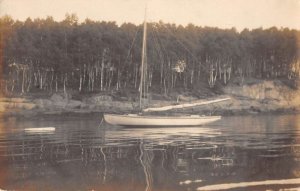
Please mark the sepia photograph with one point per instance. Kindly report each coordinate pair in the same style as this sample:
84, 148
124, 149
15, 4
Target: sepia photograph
149, 95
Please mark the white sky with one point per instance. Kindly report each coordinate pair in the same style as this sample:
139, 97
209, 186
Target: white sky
216, 13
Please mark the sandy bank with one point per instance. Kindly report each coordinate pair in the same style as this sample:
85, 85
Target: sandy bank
252, 98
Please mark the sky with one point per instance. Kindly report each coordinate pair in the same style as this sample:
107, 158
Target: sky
214, 13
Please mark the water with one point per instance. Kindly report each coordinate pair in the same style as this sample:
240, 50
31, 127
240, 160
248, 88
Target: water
250, 152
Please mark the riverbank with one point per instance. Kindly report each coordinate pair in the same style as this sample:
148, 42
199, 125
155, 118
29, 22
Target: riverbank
254, 97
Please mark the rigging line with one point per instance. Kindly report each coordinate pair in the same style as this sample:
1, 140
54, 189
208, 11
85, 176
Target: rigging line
158, 45
159, 40
181, 43
203, 66
131, 46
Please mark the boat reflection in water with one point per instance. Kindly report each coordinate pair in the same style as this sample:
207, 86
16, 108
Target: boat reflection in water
251, 153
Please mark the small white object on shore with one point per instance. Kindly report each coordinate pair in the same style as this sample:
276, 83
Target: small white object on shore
189, 182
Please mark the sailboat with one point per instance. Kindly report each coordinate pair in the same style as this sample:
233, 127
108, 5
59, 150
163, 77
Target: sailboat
141, 120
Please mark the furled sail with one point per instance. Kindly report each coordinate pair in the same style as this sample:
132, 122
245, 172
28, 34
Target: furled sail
165, 108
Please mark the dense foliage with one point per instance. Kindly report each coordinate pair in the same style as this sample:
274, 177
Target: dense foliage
46, 55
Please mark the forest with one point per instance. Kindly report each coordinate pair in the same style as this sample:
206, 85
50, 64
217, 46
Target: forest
43, 55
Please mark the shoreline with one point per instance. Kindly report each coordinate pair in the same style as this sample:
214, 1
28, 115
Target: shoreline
253, 98
93, 114
18, 110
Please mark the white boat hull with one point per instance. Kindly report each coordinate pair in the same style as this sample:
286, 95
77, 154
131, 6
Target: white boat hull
139, 120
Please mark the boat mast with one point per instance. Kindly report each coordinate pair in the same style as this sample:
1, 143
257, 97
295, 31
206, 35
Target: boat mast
144, 61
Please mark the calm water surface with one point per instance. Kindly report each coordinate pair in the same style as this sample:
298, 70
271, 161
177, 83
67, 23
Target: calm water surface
250, 152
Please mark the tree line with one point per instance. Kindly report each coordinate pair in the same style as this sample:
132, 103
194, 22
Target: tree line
92, 56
